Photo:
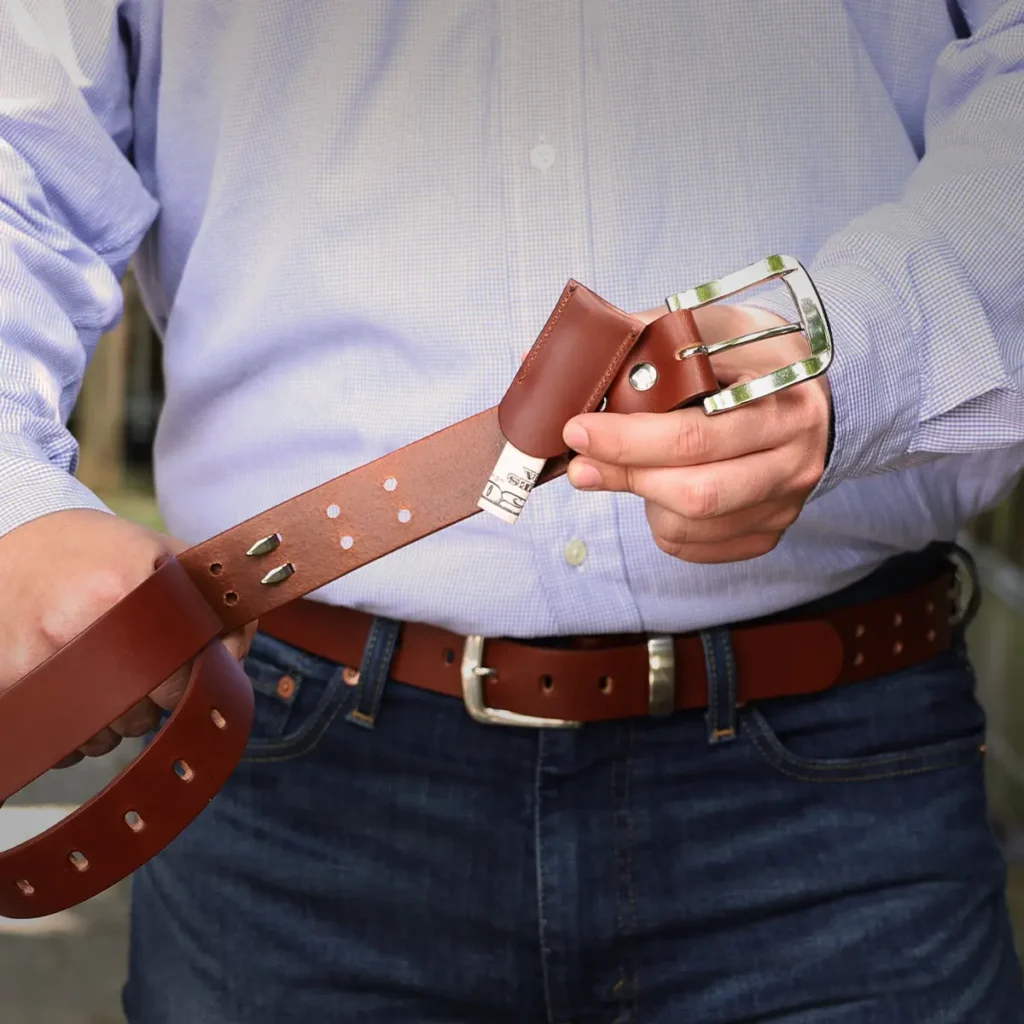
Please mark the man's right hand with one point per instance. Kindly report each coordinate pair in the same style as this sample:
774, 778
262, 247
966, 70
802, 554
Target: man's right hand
61, 573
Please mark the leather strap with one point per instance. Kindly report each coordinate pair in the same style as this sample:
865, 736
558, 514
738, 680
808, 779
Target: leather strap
215, 587
608, 678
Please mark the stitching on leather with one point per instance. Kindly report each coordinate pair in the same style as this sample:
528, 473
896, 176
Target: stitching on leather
620, 354
931, 758
556, 314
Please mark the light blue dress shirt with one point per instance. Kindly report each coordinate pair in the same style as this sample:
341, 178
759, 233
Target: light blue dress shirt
351, 217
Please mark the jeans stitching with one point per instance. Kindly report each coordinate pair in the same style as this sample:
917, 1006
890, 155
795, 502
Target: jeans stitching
305, 739
710, 665
933, 758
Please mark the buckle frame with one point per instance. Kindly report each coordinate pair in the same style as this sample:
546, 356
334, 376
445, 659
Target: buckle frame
474, 672
813, 323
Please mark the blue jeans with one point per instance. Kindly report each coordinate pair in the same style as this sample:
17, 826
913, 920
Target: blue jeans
831, 863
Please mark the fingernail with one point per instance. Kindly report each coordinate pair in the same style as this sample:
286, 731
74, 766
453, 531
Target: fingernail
583, 474
575, 437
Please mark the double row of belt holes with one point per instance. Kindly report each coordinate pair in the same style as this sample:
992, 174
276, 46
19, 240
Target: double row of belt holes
287, 569
132, 819
897, 621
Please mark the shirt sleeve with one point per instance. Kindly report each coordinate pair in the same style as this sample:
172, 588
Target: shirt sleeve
925, 296
72, 212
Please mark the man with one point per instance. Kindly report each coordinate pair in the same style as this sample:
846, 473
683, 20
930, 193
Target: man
349, 221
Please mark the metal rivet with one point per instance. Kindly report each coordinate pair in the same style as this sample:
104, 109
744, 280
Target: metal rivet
859, 631
278, 575
333, 511
897, 648
350, 676
858, 658
643, 376
286, 687
264, 545
347, 542
897, 620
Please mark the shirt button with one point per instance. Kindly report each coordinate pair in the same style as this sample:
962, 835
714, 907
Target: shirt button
575, 552
542, 156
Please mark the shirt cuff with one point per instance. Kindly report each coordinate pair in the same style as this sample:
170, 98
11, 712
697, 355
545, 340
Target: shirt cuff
875, 403
31, 487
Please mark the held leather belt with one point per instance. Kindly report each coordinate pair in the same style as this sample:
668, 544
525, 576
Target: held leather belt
589, 356
510, 682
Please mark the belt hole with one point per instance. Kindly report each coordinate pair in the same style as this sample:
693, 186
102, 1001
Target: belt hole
859, 631
134, 821
605, 683
930, 607
449, 656
390, 484
347, 542
858, 658
231, 597
897, 620
216, 568
404, 515
184, 771
547, 684
897, 648
931, 634
218, 719
25, 887
333, 511
79, 861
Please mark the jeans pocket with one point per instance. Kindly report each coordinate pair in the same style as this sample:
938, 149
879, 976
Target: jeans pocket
918, 720
297, 696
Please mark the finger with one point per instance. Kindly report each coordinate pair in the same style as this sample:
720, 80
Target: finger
685, 437
102, 743
240, 640
703, 492
139, 720
739, 550
168, 693
672, 528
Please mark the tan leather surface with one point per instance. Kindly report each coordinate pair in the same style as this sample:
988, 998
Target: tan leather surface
788, 657
324, 533
559, 380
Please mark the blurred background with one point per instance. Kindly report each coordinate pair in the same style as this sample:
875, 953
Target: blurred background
68, 969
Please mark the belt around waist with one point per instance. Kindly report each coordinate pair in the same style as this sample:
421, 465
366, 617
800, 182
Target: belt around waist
590, 679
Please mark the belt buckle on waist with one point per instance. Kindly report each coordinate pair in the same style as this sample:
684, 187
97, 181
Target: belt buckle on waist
813, 323
474, 672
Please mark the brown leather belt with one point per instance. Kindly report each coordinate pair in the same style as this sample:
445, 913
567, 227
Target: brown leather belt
623, 677
589, 355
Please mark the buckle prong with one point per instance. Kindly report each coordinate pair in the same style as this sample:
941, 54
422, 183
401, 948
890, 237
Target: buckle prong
473, 674
813, 323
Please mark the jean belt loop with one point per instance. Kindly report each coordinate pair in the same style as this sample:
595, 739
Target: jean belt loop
374, 671
720, 666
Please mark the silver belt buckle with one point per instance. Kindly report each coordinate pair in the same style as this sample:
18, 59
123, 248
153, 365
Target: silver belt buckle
474, 672
813, 323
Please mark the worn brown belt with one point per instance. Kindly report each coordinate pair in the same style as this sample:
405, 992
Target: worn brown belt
513, 682
589, 356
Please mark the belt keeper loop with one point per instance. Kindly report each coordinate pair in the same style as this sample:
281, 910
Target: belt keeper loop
661, 676
721, 672
374, 671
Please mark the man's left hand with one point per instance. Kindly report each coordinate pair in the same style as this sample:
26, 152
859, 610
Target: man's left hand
718, 488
